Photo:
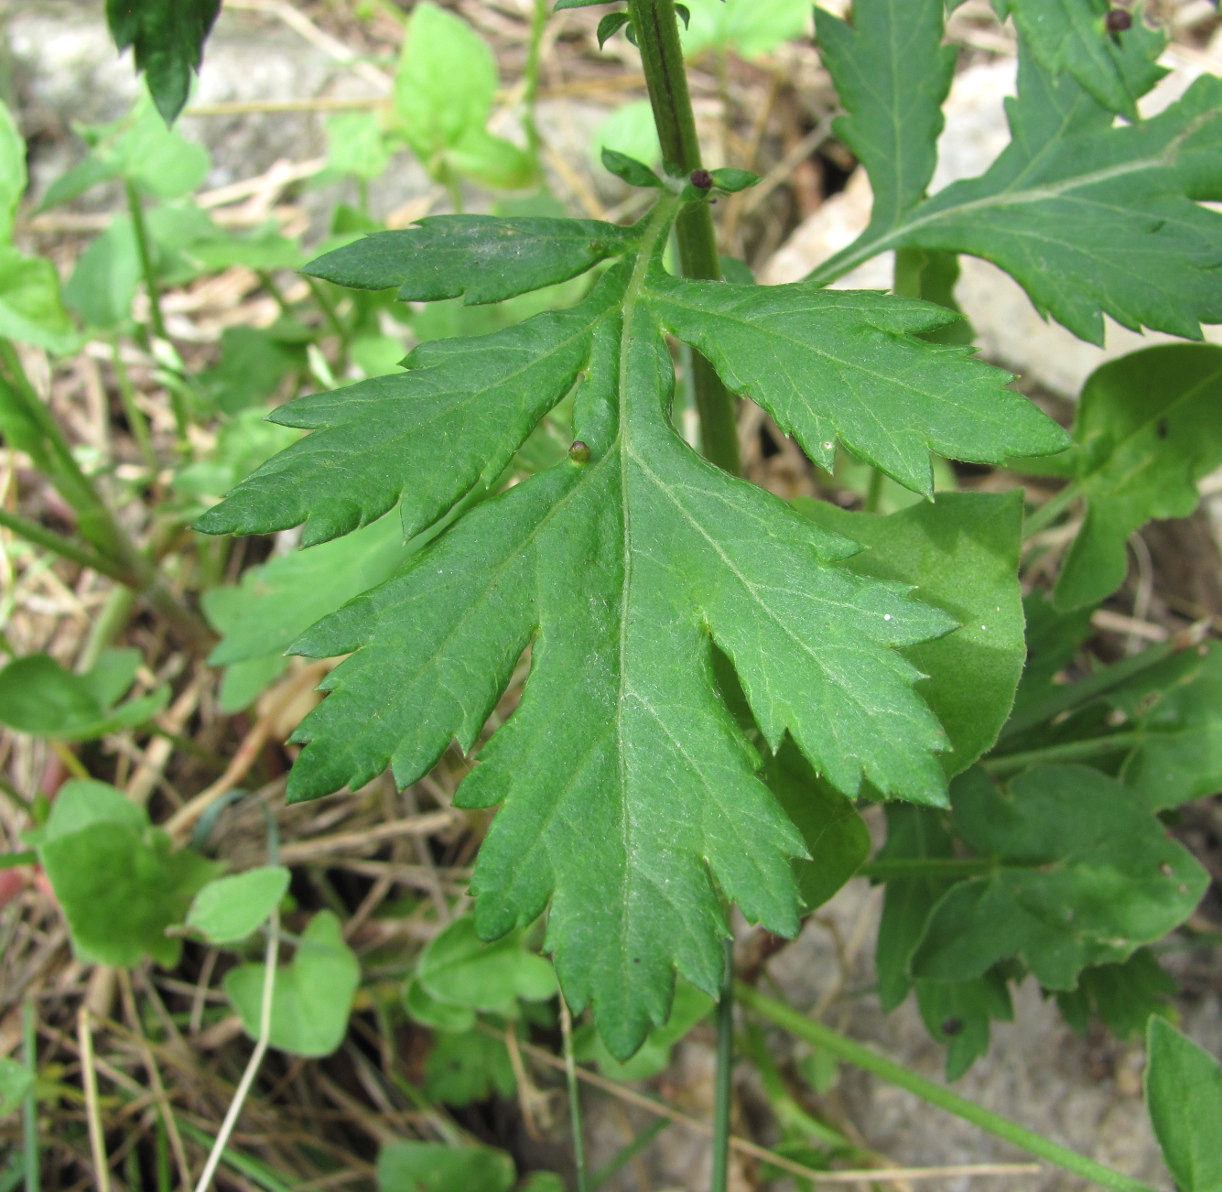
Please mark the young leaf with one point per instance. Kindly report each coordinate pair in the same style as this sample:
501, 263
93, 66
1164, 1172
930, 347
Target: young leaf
313, 994
617, 565
892, 74
231, 908
1147, 433
1184, 1100
628, 169
1084, 875
1070, 36
1088, 218
168, 40
610, 25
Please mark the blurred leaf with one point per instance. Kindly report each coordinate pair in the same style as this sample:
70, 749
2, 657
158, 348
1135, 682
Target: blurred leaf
958, 1013
1147, 431
748, 28
429, 1011
31, 308
1084, 874
439, 1167
960, 553
167, 37
357, 144
1184, 1099
231, 908
104, 279
1125, 995
12, 172
313, 993
913, 834
118, 883
15, 1082
467, 1066
629, 131
254, 361
460, 969
39, 697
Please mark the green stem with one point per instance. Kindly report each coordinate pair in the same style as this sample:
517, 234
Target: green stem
570, 1080
29, 1047
531, 79
1070, 751
819, 1035
135, 207
1050, 510
136, 420
66, 549
722, 1088
1075, 695
16, 860
657, 33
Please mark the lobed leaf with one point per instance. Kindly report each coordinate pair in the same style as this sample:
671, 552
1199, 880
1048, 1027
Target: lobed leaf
1147, 433
624, 568
167, 37
1084, 874
1070, 36
892, 73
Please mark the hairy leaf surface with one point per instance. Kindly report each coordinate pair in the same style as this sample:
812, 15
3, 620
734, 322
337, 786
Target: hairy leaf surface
629, 795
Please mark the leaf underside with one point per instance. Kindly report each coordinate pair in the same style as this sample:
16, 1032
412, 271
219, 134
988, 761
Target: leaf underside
630, 796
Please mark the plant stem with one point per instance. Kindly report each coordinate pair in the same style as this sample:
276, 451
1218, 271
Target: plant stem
135, 207
29, 1049
530, 77
1070, 751
657, 33
819, 1035
722, 1087
570, 1079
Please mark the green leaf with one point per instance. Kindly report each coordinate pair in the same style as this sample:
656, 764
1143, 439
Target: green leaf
466, 1067
445, 84
1184, 1100
562, 4
608, 27
853, 371
116, 879
835, 835
1176, 710
479, 258
232, 908
31, 308
357, 144
313, 994
1125, 995
168, 38
961, 555
748, 28
16, 1080
439, 1167
958, 1014
732, 181
1088, 218
689, 1007
621, 566
441, 1016
628, 169
280, 600
254, 362
460, 969
892, 73
1146, 433
39, 697
913, 834
1069, 36
1084, 874
12, 172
